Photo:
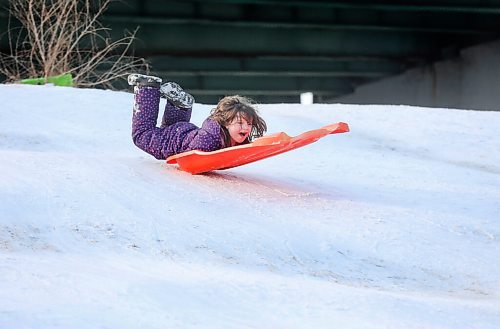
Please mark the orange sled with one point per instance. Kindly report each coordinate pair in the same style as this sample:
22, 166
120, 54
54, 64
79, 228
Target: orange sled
196, 162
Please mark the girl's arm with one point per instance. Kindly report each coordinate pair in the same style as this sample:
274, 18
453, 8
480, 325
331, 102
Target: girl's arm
207, 138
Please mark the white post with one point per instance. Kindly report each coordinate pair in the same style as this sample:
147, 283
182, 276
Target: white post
307, 98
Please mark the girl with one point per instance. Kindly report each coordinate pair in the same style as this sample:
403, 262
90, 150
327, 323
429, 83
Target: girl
233, 122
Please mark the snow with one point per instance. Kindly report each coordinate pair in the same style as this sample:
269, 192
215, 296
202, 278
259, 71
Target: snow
395, 224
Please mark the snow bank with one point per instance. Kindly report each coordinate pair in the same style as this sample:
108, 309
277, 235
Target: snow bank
395, 224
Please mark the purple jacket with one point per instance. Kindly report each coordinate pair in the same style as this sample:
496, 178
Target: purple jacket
176, 134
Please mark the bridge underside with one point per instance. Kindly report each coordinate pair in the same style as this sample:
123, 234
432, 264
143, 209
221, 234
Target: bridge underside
274, 50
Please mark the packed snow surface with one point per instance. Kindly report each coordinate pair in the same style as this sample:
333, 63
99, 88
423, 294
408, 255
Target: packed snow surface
395, 224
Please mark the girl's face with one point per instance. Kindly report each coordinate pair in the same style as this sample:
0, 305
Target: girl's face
239, 130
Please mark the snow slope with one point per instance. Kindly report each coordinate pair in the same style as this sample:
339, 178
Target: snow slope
393, 225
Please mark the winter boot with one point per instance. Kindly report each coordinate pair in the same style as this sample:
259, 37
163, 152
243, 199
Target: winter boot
176, 95
144, 80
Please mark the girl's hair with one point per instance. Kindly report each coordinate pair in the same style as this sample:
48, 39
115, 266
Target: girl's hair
231, 107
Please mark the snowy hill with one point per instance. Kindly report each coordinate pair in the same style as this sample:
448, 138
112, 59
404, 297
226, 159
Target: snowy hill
393, 225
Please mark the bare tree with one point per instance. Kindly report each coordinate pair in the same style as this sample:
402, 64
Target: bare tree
66, 36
